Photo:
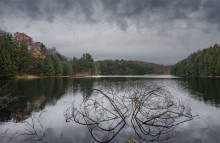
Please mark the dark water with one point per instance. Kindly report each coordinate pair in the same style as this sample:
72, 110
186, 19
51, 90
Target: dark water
46, 101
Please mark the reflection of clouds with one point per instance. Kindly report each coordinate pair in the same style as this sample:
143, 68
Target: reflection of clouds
58, 130
68, 135
206, 111
152, 110
205, 127
195, 135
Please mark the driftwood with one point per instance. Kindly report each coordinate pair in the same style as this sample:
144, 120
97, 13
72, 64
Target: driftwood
150, 110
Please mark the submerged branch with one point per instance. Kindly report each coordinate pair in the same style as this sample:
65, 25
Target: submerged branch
35, 132
153, 112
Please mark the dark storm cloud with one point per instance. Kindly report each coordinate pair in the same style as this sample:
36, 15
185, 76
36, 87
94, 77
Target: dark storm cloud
143, 10
30, 8
168, 8
49, 9
211, 9
161, 31
120, 12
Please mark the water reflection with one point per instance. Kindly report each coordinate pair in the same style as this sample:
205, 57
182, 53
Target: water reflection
53, 96
149, 109
34, 95
204, 89
83, 85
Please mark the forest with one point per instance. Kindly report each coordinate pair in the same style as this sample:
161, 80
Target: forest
204, 62
122, 67
20, 58
20, 55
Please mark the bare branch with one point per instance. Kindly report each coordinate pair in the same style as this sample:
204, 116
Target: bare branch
35, 131
153, 112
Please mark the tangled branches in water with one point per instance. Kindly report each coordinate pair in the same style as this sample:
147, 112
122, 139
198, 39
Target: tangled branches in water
152, 111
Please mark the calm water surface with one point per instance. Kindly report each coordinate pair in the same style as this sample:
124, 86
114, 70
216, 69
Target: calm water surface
46, 101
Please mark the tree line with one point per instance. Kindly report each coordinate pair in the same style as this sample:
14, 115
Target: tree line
204, 62
18, 59
21, 59
122, 67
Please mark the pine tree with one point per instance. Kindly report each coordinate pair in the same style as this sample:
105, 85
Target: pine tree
6, 65
58, 67
49, 66
67, 68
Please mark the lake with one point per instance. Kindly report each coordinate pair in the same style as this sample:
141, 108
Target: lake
53, 109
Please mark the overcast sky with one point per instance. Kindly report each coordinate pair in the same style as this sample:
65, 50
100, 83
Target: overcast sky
159, 31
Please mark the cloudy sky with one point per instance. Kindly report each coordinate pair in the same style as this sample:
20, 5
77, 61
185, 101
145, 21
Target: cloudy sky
160, 31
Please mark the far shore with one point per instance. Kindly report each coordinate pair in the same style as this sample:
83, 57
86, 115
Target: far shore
211, 76
201, 76
28, 77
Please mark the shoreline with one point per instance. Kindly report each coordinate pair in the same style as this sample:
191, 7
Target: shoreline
211, 76
201, 76
29, 77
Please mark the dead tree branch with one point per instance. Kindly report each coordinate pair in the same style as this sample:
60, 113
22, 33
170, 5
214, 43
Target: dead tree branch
35, 132
153, 112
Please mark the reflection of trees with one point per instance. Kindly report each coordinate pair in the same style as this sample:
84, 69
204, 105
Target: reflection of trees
5, 101
205, 89
83, 85
33, 95
150, 110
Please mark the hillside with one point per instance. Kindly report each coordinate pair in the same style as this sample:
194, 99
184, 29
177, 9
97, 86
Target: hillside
122, 67
204, 62
159, 69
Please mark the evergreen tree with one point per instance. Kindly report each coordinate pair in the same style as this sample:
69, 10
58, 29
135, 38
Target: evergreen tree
122, 67
201, 63
23, 59
49, 66
217, 67
75, 65
7, 61
39, 67
58, 67
6, 65
67, 68
86, 64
